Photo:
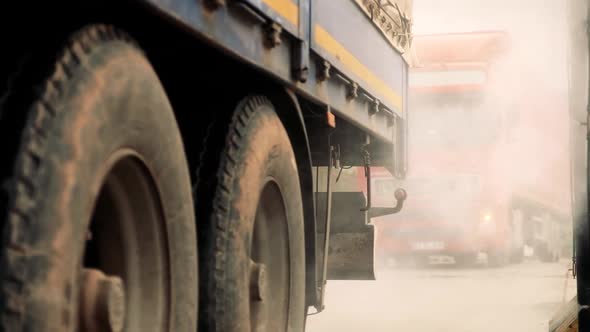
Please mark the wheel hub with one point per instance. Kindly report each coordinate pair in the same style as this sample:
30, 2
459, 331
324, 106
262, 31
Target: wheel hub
102, 302
257, 281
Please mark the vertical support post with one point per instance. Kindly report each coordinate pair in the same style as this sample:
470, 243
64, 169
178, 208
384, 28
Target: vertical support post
328, 219
367, 167
300, 59
366, 155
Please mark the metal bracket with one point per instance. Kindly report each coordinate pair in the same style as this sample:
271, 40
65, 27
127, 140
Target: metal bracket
400, 197
301, 61
324, 72
367, 166
574, 269
273, 37
391, 120
353, 91
400, 194
374, 109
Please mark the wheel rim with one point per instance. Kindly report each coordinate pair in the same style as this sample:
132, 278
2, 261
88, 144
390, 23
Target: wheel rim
125, 277
269, 263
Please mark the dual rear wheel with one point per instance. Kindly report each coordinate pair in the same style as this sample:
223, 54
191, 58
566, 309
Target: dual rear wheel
99, 230
252, 238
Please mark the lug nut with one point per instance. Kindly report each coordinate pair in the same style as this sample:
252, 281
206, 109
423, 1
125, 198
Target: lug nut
257, 281
102, 302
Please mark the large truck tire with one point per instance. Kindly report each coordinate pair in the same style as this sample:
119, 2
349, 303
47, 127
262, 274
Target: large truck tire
99, 232
252, 254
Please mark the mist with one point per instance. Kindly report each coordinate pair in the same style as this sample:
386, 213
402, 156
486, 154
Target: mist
484, 242
531, 96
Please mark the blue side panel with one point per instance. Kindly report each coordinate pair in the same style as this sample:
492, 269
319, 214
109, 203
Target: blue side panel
346, 23
335, 94
233, 32
354, 30
239, 29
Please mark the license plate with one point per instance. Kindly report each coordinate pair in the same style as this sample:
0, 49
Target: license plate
429, 245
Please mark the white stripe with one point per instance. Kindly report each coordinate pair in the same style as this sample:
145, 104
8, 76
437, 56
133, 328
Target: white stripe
447, 78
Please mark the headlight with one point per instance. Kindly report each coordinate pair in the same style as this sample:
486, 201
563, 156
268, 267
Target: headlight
487, 225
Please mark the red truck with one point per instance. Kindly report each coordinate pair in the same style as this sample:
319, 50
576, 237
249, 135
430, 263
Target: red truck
458, 204
485, 177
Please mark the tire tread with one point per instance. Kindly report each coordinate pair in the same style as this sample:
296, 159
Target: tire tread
222, 194
23, 186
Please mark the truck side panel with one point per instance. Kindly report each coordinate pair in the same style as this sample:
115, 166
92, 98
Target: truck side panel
236, 31
240, 29
284, 12
346, 37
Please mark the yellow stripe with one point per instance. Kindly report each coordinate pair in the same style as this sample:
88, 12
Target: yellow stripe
332, 46
285, 8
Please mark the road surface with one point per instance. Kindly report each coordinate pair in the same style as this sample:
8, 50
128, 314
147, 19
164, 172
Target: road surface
519, 298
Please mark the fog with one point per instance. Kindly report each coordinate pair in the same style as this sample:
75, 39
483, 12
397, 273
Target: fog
484, 242
533, 90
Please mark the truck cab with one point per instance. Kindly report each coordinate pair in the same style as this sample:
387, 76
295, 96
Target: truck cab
458, 204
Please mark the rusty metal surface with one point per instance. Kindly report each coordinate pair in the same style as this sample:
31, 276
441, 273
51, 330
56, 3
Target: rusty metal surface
102, 302
242, 33
278, 14
350, 255
378, 71
393, 19
352, 240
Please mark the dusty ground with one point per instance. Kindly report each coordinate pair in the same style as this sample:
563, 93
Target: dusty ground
519, 298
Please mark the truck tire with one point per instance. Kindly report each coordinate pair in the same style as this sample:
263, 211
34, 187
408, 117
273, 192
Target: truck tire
252, 250
99, 231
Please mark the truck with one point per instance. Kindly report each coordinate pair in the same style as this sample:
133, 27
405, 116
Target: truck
536, 170
160, 158
485, 178
458, 207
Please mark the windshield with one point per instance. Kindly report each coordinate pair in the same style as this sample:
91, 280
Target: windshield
451, 120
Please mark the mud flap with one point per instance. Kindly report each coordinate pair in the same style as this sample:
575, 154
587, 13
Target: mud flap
352, 241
